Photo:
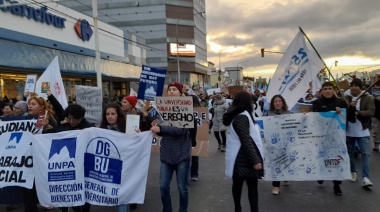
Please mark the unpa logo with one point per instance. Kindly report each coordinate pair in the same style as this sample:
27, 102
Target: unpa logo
14, 139
102, 161
61, 159
83, 30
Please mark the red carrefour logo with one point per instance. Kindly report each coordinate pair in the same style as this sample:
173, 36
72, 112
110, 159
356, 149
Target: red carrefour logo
83, 30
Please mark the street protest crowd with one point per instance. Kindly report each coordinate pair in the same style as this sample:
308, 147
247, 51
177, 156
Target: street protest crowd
234, 123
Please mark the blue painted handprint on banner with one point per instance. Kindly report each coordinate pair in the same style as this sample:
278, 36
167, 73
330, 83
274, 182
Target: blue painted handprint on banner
309, 168
275, 138
293, 156
291, 138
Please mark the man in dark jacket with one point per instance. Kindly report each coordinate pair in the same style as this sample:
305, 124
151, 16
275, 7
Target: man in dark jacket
329, 102
376, 121
359, 115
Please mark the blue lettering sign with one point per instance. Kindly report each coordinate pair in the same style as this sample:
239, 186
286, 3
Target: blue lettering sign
39, 15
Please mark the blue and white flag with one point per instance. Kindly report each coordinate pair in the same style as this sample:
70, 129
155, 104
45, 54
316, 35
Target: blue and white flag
98, 166
293, 73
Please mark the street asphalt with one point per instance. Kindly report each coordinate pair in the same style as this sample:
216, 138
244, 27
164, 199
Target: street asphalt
212, 193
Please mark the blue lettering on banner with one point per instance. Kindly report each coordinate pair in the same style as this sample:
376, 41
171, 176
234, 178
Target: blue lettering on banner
14, 138
61, 165
104, 163
39, 15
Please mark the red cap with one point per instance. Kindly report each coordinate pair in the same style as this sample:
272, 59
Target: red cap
132, 100
178, 85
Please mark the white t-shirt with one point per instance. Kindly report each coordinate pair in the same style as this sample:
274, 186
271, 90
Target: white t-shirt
356, 129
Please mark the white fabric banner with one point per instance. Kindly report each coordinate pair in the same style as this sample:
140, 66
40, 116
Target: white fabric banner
300, 147
98, 166
51, 80
16, 162
294, 72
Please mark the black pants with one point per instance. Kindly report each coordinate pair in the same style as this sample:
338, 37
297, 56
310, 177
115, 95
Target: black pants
30, 199
84, 208
223, 133
253, 195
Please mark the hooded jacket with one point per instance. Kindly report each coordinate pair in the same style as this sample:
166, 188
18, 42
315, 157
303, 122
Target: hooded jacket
367, 110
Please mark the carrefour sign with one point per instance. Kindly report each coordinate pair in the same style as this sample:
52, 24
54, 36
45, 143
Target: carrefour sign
39, 15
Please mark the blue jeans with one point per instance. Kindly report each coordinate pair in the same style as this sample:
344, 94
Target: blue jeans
365, 147
194, 166
123, 208
166, 173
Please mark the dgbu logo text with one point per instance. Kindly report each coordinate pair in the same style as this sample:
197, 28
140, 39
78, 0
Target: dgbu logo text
102, 161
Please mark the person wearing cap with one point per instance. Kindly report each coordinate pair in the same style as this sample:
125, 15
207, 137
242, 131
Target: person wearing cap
20, 109
175, 153
128, 105
359, 113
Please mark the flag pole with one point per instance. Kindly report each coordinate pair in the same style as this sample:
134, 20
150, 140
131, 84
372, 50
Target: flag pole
321, 60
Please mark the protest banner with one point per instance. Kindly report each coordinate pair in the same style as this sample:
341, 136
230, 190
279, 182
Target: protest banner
12, 195
30, 85
376, 92
16, 161
212, 91
91, 99
201, 115
98, 166
301, 147
133, 123
152, 82
176, 111
233, 90
201, 149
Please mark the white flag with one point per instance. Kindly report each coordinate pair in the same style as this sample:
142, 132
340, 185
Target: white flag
51, 80
293, 73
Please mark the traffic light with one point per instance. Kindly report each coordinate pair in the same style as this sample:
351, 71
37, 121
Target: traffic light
262, 52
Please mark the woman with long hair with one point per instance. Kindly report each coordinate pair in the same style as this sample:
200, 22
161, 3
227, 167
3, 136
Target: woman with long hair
244, 156
277, 106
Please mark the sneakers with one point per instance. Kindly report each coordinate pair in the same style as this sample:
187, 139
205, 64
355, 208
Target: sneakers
337, 190
194, 178
376, 148
219, 146
276, 190
286, 183
223, 149
320, 182
366, 182
353, 177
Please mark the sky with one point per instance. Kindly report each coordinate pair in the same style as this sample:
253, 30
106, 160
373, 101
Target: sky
347, 31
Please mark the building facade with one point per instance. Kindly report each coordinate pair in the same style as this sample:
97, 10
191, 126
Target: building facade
32, 34
174, 31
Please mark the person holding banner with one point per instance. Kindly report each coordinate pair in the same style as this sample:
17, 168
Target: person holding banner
75, 120
277, 106
220, 107
328, 101
244, 156
36, 105
20, 109
7, 110
175, 152
113, 118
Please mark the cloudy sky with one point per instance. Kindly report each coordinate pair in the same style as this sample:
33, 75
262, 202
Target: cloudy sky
344, 30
